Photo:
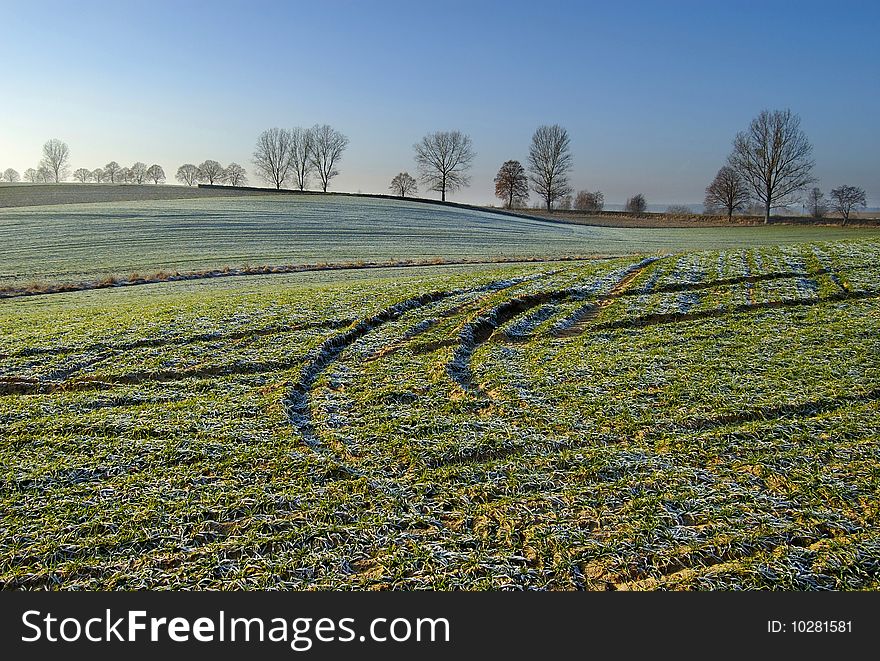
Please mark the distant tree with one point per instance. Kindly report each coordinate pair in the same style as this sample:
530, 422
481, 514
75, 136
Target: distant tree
679, 210
139, 173
637, 204
211, 171
98, 175
45, 175
403, 184
816, 206
82, 175
156, 174
30, 175
550, 160
327, 147
125, 176
587, 201
774, 158
511, 184
111, 172
56, 158
846, 198
273, 155
11, 176
727, 191
443, 158
301, 142
187, 174
235, 175
564, 204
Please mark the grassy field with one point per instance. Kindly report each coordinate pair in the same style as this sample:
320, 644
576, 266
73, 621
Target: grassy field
28, 195
81, 242
701, 419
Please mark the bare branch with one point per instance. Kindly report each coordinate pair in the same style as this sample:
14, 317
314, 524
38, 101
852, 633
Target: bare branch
550, 160
443, 159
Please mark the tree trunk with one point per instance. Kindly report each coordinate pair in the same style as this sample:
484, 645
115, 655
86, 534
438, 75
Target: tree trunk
767, 211
729, 215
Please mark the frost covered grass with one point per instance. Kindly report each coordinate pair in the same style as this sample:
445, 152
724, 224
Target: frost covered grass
701, 420
41, 247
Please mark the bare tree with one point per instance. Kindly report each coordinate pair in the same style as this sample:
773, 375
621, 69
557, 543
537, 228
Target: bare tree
125, 176
302, 142
587, 201
139, 173
550, 160
444, 157
816, 205
156, 174
45, 175
774, 158
235, 175
211, 171
187, 174
11, 175
30, 175
679, 210
846, 198
111, 172
636, 204
98, 175
273, 155
564, 204
327, 147
56, 158
511, 184
727, 191
403, 184
82, 175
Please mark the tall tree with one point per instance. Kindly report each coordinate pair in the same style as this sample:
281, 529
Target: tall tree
816, 206
403, 184
56, 158
444, 157
727, 191
111, 172
187, 174
235, 175
511, 183
82, 175
98, 175
774, 158
156, 174
846, 198
550, 160
327, 147
30, 175
273, 155
139, 173
302, 142
11, 175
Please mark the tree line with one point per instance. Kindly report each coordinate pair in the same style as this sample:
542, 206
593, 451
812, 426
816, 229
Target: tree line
770, 165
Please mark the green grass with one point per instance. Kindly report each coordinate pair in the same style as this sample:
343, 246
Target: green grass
706, 420
83, 242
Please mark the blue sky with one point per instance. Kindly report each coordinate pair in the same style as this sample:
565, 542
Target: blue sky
652, 93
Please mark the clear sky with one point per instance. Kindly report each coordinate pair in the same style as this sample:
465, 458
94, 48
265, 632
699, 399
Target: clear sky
652, 93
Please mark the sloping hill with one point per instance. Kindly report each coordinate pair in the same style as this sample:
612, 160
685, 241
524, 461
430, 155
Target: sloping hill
70, 243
